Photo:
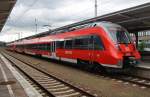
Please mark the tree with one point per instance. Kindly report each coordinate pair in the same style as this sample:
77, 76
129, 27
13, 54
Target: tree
141, 46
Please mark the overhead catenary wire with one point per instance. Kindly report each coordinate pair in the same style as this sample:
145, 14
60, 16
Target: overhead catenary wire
19, 18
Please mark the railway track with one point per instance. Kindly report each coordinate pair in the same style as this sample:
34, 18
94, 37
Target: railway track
51, 85
135, 80
126, 79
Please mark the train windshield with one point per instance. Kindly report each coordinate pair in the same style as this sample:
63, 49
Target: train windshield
118, 34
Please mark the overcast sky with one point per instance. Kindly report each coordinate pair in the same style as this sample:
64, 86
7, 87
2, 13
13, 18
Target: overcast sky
56, 13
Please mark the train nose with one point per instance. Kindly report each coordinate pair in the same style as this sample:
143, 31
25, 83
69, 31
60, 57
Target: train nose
127, 49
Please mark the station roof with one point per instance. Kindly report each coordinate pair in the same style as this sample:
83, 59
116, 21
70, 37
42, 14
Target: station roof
134, 19
5, 9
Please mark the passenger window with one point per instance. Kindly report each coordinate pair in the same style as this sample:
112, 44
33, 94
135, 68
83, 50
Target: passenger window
96, 43
45, 46
81, 42
49, 46
41, 46
60, 44
68, 44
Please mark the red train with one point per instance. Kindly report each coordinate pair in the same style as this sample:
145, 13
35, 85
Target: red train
103, 43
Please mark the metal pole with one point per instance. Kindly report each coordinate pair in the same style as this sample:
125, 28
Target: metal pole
95, 8
19, 35
136, 35
36, 25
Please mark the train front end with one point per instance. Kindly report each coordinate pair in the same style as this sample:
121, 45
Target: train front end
123, 48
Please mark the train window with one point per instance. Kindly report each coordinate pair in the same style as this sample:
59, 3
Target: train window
41, 46
98, 44
33, 46
24, 46
45, 46
30, 46
81, 42
68, 44
27, 46
36, 46
95, 43
49, 46
60, 44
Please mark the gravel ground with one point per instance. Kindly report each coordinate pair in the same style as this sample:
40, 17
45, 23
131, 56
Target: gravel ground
101, 85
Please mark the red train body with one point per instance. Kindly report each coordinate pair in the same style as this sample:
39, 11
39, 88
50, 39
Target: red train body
104, 43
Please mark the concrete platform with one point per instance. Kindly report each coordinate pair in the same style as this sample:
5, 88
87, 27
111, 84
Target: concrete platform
12, 84
145, 65
9, 86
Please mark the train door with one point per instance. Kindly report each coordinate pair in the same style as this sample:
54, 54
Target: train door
53, 49
96, 49
91, 48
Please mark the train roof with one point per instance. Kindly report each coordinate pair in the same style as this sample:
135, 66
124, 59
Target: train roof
57, 37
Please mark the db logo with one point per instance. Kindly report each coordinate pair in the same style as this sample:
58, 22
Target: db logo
68, 52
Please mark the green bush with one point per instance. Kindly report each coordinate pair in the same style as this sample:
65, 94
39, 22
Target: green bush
141, 46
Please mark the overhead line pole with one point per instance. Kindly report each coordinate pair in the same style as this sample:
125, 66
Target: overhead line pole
95, 8
35, 25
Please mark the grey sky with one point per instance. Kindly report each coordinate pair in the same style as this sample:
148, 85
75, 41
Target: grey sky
56, 13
